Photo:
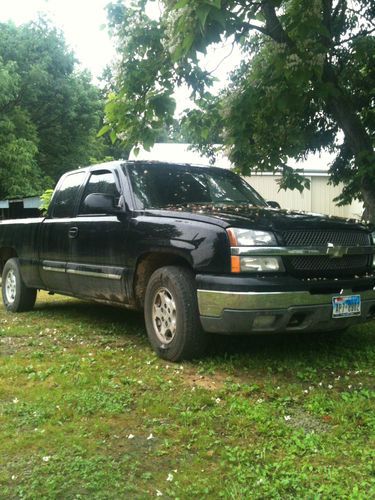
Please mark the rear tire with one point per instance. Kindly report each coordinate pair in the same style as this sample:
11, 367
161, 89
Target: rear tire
17, 297
171, 315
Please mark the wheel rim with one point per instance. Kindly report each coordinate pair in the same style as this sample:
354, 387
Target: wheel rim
10, 286
164, 315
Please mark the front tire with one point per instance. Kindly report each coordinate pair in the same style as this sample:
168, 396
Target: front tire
17, 297
171, 315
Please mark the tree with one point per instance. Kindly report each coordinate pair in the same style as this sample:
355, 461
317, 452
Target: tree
19, 173
305, 83
50, 111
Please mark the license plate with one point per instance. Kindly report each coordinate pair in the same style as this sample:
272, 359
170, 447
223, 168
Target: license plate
345, 307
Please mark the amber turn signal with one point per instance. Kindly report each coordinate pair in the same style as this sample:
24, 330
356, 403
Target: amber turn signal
235, 264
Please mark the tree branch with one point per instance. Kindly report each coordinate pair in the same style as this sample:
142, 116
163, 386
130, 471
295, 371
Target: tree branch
274, 28
357, 35
341, 5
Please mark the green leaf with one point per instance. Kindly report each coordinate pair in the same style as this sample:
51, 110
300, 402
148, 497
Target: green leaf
202, 14
218, 16
113, 136
103, 130
215, 3
180, 4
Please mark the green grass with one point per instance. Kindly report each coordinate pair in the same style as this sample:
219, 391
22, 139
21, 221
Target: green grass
88, 411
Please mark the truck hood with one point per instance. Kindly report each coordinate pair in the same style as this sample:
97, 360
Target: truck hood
263, 218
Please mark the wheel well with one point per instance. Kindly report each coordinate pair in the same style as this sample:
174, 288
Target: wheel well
145, 268
6, 253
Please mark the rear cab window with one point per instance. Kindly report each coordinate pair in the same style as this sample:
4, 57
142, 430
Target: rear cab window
66, 197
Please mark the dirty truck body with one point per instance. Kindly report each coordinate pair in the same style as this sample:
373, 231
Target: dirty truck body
195, 247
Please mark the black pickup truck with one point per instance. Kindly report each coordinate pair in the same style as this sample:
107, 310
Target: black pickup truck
195, 247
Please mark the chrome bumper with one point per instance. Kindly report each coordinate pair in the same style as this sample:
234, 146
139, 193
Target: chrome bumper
274, 312
213, 303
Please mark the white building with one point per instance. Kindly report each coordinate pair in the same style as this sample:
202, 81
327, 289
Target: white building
319, 199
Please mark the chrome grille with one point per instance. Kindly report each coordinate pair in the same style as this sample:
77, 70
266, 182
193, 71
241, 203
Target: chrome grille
324, 266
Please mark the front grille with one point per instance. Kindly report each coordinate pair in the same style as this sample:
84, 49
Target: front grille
322, 238
324, 266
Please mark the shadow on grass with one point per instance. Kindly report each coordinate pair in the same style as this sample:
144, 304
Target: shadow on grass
351, 344
89, 313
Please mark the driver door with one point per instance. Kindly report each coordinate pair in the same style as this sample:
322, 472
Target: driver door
98, 251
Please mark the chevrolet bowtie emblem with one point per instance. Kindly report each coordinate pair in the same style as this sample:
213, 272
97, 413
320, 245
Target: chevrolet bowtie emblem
335, 252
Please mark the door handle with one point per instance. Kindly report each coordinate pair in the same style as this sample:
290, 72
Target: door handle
73, 232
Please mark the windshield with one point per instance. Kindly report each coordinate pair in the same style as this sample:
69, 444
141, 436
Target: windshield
166, 186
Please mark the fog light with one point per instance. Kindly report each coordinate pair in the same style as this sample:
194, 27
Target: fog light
261, 264
263, 321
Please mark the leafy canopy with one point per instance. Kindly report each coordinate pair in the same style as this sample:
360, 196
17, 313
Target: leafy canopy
49, 112
305, 82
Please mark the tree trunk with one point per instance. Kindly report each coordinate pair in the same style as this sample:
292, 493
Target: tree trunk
368, 194
357, 138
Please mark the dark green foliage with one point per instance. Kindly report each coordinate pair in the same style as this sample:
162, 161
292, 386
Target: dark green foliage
49, 111
305, 83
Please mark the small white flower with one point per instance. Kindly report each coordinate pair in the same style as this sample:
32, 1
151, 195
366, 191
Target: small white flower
14, 478
320, 384
260, 400
170, 477
46, 458
148, 362
217, 401
306, 391
287, 418
278, 388
350, 386
151, 436
131, 436
15, 400
159, 493
330, 386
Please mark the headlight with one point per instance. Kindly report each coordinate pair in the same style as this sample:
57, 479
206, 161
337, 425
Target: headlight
249, 238
261, 264
248, 263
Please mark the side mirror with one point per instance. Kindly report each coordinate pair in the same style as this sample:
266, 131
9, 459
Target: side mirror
98, 203
273, 204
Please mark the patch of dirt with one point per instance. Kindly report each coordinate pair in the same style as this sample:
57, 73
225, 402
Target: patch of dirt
301, 419
209, 382
10, 345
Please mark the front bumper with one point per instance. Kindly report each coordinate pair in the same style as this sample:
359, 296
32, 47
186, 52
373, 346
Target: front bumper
249, 309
